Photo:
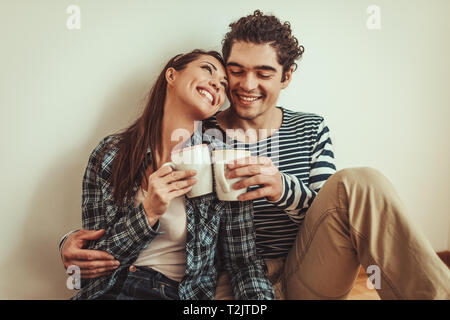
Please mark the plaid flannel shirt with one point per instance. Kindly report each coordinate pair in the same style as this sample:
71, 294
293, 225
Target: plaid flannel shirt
210, 222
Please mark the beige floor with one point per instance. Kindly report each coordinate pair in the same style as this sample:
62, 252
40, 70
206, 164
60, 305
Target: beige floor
361, 291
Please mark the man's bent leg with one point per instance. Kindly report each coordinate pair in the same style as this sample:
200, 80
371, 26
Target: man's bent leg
357, 217
322, 264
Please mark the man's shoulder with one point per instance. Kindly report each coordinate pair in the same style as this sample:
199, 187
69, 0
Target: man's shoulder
295, 117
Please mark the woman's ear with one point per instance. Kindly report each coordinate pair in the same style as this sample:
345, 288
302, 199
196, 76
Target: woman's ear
170, 75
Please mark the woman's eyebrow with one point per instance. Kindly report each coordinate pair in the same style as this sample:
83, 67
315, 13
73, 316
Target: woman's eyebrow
211, 65
214, 68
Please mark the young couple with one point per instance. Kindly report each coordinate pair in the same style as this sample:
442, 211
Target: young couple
143, 239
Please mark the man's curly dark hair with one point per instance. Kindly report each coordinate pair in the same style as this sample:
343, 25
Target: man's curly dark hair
260, 29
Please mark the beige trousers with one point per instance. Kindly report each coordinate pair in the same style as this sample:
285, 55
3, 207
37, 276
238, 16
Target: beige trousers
356, 218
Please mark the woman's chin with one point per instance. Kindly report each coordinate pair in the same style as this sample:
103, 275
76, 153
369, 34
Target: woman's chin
205, 114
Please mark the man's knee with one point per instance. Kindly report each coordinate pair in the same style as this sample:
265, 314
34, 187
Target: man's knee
363, 176
366, 186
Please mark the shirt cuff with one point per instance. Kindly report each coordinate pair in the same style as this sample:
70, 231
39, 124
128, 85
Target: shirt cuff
64, 238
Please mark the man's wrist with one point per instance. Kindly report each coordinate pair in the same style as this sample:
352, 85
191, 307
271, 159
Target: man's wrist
281, 196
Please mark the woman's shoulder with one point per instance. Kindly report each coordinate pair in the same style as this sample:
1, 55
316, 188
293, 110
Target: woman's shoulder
105, 151
108, 142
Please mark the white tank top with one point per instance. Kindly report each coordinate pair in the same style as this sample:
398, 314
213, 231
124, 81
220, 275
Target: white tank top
167, 252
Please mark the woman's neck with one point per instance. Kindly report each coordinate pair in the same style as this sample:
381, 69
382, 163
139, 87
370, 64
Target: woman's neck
176, 129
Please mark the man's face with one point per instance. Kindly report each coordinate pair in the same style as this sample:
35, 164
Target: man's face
254, 77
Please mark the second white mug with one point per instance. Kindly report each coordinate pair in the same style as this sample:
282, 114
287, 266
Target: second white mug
220, 159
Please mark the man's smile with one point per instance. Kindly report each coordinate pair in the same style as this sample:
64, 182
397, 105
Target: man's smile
247, 99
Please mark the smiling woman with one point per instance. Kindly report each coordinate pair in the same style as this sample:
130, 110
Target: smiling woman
176, 92
200, 85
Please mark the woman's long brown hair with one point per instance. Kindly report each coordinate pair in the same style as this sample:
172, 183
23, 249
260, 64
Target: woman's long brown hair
130, 163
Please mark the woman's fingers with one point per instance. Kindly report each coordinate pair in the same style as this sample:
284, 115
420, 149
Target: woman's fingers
179, 175
181, 184
161, 172
166, 184
179, 192
175, 180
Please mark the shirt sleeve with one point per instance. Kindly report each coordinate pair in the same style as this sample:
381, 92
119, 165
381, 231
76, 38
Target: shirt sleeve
127, 230
298, 196
64, 238
237, 241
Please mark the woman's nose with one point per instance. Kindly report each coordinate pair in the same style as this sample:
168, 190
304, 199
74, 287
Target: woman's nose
213, 83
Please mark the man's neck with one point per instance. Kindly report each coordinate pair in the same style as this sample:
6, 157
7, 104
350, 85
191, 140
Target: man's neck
250, 130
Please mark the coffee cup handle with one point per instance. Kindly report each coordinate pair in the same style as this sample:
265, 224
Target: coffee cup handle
222, 180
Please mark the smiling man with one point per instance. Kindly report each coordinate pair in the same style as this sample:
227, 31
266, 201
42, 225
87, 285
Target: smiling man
255, 87
314, 226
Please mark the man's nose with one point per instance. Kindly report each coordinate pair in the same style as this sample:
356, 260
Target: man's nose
249, 82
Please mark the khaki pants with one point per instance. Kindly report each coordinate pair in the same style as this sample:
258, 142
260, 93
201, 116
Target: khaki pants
356, 218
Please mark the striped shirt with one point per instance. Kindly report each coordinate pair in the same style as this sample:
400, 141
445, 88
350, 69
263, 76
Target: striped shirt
303, 153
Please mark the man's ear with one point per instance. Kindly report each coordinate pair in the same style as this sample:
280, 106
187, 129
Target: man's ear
170, 75
287, 78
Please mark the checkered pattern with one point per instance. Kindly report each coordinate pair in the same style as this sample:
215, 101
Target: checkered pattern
210, 222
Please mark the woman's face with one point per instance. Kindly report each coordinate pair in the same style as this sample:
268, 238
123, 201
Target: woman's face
201, 86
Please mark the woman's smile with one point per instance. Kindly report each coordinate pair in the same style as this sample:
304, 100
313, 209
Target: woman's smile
207, 94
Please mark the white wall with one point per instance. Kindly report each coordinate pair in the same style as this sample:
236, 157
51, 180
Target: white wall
383, 92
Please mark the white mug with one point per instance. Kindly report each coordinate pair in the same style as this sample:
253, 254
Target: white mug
220, 159
196, 158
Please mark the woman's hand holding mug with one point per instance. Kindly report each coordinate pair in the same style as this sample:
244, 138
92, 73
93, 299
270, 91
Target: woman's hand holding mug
164, 185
